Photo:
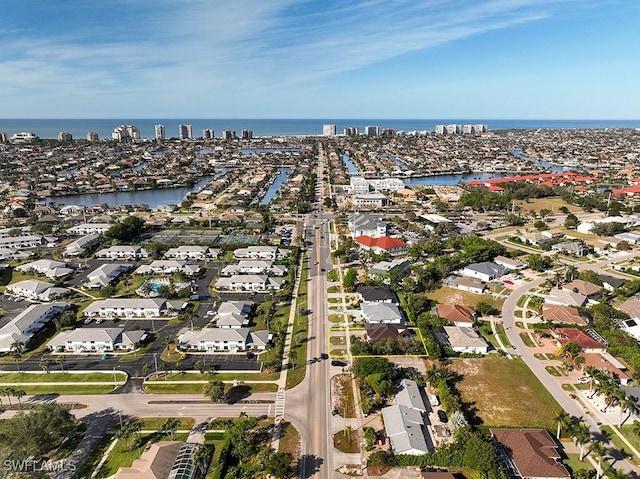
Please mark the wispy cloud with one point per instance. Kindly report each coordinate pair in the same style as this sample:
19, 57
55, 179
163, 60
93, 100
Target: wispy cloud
182, 50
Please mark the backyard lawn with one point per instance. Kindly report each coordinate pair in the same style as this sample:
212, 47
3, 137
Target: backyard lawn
504, 392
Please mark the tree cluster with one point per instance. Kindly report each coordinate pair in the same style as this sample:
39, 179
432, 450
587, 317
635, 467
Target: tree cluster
126, 230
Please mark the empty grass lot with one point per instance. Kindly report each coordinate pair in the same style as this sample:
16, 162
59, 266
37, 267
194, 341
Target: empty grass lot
455, 296
504, 392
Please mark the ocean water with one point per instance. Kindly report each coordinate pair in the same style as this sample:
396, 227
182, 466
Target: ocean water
279, 127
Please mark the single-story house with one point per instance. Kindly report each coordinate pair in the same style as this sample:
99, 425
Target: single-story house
375, 294
405, 428
463, 283
590, 290
563, 314
611, 283
384, 270
457, 314
378, 331
461, 340
531, 453
509, 263
588, 340
566, 298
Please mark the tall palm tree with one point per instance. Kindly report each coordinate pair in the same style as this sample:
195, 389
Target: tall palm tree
600, 451
636, 428
17, 349
170, 426
8, 391
44, 364
60, 360
629, 405
561, 419
592, 374
582, 435
19, 393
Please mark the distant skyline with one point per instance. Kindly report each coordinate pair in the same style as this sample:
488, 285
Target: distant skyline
544, 59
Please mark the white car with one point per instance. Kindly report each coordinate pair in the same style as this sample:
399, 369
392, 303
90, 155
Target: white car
211, 312
583, 380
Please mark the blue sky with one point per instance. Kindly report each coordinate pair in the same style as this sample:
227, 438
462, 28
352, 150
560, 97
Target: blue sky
546, 59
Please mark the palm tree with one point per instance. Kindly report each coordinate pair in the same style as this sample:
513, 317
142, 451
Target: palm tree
582, 435
8, 391
600, 451
170, 426
592, 373
630, 406
17, 348
636, 428
60, 361
562, 419
44, 364
201, 459
19, 393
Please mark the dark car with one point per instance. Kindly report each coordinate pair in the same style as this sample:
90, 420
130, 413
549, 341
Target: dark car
338, 363
442, 415
324, 356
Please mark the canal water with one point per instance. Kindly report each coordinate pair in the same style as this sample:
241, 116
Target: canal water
275, 186
152, 198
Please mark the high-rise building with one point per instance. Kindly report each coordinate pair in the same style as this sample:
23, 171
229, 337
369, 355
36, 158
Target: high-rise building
160, 133
371, 130
208, 134
185, 132
440, 130
328, 130
350, 131
453, 129
229, 134
247, 134
64, 136
125, 132
3, 137
92, 136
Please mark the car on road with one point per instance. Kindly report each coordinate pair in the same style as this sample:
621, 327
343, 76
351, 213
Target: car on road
315, 262
99, 320
87, 320
337, 362
104, 356
211, 312
442, 416
506, 281
324, 356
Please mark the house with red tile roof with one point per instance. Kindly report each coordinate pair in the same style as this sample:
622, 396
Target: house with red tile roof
384, 244
588, 340
563, 315
457, 314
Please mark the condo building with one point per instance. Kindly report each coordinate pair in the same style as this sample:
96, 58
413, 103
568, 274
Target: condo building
125, 132
92, 136
159, 131
185, 132
208, 134
328, 130
64, 136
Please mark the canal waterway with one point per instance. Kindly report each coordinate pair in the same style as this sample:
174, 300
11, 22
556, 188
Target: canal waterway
151, 198
275, 186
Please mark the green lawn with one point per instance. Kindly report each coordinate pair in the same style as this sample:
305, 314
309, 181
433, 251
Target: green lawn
155, 423
67, 389
157, 387
553, 371
502, 335
526, 339
59, 377
258, 376
456, 296
300, 329
504, 392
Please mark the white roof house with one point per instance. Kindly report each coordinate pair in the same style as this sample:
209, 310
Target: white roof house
486, 271
105, 274
89, 228
20, 242
464, 340
382, 313
37, 290
234, 314
122, 252
405, 428
223, 339
133, 308
26, 324
96, 340
191, 252
168, 266
48, 267
81, 245
254, 267
248, 282
260, 252
409, 395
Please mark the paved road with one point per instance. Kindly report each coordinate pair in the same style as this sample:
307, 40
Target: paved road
571, 406
308, 403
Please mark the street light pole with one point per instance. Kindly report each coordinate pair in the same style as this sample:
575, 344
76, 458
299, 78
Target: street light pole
115, 382
155, 361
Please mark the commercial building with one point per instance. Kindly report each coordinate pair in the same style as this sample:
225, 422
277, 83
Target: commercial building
328, 130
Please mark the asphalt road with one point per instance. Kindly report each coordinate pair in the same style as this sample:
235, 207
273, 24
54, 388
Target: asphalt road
308, 403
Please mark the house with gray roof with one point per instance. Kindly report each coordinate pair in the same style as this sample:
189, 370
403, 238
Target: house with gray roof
382, 313
362, 224
123, 252
81, 246
234, 314
106, 274
223, 339
485, 271
409, 395
405, 428
461, 339
50, 268
133, 308
37, 290
25, 325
